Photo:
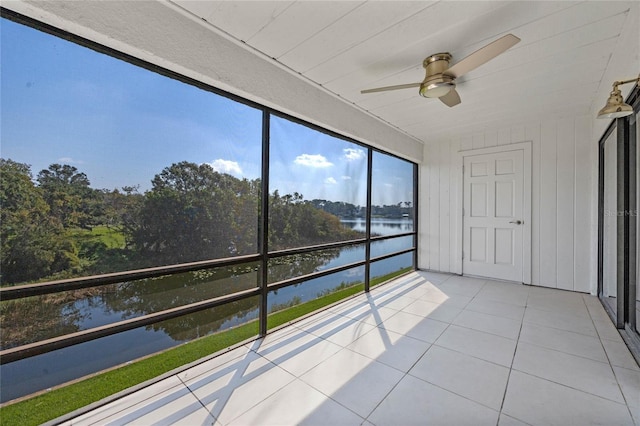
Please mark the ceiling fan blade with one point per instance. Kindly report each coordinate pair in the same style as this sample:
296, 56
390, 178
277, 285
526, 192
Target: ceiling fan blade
384, 89
451, 99
482, 55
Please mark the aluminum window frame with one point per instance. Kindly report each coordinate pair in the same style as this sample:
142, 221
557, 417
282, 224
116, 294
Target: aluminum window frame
263, 255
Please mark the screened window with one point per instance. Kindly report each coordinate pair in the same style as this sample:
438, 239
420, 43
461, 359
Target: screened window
132, 213
109, 167
317, 186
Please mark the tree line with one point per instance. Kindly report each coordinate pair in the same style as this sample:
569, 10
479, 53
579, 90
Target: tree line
345, 210
56, 226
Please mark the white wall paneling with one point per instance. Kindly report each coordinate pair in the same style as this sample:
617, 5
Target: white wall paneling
561, 200
565, 153
548, 204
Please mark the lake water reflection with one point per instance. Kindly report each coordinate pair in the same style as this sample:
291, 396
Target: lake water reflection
128, 300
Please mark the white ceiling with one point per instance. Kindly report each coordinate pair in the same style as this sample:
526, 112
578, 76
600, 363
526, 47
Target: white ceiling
347, 46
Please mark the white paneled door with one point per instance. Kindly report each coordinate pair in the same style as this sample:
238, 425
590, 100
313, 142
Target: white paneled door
494, 215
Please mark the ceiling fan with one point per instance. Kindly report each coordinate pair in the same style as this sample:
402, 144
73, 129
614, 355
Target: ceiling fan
440, 79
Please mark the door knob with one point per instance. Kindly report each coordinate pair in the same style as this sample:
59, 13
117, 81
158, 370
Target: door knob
517, 222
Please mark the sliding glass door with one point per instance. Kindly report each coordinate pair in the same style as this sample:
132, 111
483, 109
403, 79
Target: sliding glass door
619, 242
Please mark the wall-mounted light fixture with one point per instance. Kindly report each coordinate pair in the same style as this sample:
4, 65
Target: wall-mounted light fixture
615, 107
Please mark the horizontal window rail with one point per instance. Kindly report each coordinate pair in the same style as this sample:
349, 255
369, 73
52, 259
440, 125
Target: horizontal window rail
389, 237
307, 249
49, 287
49, 345
27, 290
394, 254
313, 275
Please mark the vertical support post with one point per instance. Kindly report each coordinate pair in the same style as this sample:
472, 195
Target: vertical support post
367, 266
264, 222
633, 223
415, 215
622, 222
601, 171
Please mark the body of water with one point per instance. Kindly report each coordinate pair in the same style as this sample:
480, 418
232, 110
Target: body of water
133, 299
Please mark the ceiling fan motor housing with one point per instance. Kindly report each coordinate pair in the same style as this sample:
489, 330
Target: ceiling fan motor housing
436, 83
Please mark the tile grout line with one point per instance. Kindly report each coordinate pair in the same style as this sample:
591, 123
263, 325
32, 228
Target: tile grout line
405, 374
215, 419
624, 397
515, 351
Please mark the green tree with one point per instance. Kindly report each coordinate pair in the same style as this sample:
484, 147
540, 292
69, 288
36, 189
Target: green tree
69, 196
294, 222
194, 213
33, 243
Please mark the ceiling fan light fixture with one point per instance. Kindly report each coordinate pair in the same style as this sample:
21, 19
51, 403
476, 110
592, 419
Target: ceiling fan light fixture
615, 106
436, 89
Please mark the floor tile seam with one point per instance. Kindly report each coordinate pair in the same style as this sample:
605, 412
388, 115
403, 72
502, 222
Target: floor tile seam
493, 315
564, 351
439, 305
570, 386
494, 299
624, 396
609, 339
215, 419
143, 404
562, 330
236, 416
272, 344
487, 332
513, 417
524, 320
560, 312
380, 362
447, 291
564, 314
415, 338
513, 358
404, 375
342, 348
611, 365
373, 410
293, 378
455, 393
443, 303
332, 332
465, 354
621, 404
325, 336
379, 326
627, 369
329, 396
129, 396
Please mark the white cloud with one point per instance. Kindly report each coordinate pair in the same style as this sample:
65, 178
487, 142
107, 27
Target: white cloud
226, 166
313, 160
330, 181
352, 154
345, 177
68, 160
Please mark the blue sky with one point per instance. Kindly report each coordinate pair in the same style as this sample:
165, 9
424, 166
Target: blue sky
121, 125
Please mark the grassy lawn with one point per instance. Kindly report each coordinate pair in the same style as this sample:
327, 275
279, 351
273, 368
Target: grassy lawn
58, 402
111, 237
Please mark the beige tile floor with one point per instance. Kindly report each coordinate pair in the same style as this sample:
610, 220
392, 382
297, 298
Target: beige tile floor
424, 349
